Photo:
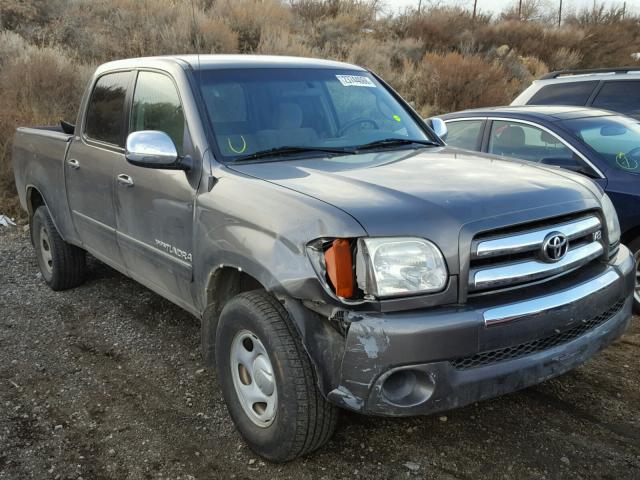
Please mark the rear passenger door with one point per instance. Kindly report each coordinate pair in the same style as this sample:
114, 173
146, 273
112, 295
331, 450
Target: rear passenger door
91, 162
154, 207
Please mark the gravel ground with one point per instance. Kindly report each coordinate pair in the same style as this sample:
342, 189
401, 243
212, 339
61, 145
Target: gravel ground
106, 382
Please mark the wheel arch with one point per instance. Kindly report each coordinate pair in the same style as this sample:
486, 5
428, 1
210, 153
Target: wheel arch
224, 283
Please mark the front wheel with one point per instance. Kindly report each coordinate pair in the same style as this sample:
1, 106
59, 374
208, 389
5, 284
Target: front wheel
635, 248
267, 380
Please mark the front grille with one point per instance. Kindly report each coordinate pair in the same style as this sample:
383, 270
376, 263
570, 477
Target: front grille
515, 256
517, 351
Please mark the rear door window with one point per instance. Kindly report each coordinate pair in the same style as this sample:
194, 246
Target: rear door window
105, 112
620, 96
464, 133
570, 93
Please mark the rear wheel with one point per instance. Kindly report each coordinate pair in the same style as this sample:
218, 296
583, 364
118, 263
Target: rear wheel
635, 248
62, 265
267, 380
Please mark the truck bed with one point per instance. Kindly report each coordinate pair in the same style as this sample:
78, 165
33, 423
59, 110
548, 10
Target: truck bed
38, 155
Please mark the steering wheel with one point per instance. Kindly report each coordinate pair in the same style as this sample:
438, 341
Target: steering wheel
357, 121
633, 152
627, 161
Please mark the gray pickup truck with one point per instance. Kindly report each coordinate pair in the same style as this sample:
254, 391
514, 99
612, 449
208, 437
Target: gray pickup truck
337, 252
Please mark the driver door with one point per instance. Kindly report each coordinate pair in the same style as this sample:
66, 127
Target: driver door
154, 207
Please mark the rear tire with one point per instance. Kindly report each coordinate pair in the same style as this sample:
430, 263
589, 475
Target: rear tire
634, 246
62, 265
255, 329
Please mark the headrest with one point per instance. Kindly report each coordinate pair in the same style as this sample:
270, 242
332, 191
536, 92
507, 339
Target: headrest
289, 116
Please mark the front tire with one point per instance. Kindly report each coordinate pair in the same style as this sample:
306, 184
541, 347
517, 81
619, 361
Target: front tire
62, 265
267, 380
634, 246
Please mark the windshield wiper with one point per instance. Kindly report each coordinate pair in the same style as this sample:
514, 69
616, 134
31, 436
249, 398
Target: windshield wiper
393, 142
290, 150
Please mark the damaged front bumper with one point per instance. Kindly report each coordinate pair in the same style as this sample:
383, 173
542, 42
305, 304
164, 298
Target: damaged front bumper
420, 362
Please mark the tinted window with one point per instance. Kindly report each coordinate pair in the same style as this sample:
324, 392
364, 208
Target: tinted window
519, 140
105, 113
570, 93
623, 97
156, 106
464, 134
260, 109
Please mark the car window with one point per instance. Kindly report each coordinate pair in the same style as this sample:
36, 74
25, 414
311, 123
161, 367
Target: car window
570, 93
464, 133
620, 96
520, 140
156, 106
105, 112
260, 109
615, 138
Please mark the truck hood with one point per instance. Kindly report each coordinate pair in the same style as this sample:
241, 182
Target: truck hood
432, 192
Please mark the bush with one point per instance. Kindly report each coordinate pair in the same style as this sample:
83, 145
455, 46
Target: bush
451, 81
39, 86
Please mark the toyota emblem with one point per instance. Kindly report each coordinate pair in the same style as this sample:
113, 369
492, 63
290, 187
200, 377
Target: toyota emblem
555, 247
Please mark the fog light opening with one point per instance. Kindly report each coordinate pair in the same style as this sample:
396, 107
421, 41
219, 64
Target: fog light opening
408, 387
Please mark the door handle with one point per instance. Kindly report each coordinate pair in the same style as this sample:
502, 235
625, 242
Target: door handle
73, 163
125, 180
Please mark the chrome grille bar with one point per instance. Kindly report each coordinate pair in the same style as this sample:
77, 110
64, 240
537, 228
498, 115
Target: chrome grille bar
532, 239
528, 271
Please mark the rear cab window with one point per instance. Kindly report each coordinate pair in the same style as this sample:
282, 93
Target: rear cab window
464, 134
570, 93
105, 119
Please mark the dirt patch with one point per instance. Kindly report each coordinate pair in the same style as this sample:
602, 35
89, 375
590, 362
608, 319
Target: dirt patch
106, 382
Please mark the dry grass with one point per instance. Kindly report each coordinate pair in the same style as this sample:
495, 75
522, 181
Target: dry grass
441, 60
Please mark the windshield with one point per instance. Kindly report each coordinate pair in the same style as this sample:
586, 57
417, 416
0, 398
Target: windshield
261, 109
615, 138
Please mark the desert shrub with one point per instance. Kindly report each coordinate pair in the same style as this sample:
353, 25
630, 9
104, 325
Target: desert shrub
564, 58
452, 81
529, 38
39, 86
283, 42
250, 18
610, 45
314, 11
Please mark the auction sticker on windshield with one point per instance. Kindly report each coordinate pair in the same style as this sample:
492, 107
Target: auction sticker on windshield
355, 81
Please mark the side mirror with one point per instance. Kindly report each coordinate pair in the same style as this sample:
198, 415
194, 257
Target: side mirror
438, 126
152, 149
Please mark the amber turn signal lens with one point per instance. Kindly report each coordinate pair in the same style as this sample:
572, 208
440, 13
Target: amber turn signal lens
340, 267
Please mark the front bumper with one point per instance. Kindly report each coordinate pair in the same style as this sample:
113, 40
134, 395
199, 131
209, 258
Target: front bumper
420, 362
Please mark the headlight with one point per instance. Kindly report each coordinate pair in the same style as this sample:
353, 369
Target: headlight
611, 217
399, 266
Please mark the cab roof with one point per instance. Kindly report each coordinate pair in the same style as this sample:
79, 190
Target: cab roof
207, 62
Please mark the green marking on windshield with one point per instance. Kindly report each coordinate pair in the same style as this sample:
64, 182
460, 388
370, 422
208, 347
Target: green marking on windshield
397, 118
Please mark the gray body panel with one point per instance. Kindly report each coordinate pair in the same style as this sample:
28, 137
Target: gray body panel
174, 230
